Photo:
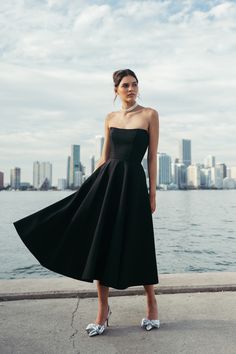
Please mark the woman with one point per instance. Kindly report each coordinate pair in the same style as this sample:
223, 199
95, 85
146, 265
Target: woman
104, 231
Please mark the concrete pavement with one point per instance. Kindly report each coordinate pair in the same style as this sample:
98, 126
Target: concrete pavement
191, 322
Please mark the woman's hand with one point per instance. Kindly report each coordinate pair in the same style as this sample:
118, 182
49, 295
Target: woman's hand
99, 163
152, 198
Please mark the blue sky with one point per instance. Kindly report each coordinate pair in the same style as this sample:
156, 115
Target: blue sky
56, 62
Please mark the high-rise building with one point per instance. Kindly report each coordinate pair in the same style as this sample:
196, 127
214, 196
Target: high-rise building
229, 183
99, 141
42, 175
1, 180
228, 172
205, 177
36, 174
217, 176
179, 175
61, 183
78, 178
68, 173
185, 152
75, 160
209, 161
233, 172
163, 169
193, 175
223, 168
75, 169
15, 178
92, 163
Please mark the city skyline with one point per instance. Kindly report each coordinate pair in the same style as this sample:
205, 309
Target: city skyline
75, 165
57, 61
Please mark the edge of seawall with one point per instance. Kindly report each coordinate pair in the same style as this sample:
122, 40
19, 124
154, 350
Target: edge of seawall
64, 287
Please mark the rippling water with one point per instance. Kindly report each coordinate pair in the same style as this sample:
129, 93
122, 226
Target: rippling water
195, 231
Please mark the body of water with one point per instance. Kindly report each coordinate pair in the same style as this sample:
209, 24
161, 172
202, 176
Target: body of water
195, 231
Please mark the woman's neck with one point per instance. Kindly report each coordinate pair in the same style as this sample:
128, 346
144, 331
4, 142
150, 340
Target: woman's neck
129, 106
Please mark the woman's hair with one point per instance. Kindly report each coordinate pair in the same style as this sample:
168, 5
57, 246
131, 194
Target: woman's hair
119, 74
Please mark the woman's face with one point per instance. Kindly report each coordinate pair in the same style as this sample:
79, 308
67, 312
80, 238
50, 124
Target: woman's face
128, 89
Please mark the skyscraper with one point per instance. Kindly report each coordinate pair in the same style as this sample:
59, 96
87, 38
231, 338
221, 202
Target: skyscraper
217, 176
68, 173
74, 168
233, 172
193, 176
36, 177
92, 163
99, 141
205, 177
164, 169
209, 161
61, 183
1, 180
185, 152
15, 178
180, 175
75, 160
42, 175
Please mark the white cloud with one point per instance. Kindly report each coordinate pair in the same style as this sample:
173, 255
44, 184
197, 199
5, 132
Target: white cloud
57, 60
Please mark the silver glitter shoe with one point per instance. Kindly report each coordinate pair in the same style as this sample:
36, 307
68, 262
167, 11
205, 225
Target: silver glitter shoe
94, 329
150, 324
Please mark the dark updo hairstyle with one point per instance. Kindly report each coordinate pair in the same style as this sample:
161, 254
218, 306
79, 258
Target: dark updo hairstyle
119, 74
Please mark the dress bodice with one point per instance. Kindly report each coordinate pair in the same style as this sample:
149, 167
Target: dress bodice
128, 144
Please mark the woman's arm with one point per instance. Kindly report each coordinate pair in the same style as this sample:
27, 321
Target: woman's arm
106, 146
152, 156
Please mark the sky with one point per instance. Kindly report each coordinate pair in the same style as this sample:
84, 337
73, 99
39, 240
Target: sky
57, 58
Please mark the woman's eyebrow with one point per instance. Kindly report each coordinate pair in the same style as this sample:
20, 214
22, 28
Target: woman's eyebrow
134, 82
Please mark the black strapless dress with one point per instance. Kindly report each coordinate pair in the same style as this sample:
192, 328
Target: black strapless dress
104, 230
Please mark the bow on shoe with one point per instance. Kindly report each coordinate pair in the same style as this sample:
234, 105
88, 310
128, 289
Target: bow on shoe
149, 324
93, 329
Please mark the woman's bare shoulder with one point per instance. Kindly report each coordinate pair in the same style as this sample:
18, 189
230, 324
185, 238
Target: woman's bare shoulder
152, 117
110, 116
150, 110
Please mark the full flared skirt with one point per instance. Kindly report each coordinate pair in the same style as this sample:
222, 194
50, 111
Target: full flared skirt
103, 231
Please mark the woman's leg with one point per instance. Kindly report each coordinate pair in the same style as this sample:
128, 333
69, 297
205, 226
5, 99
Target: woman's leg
103, 292
152, 308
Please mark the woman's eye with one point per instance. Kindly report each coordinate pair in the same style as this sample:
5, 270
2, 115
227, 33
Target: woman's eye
127, 85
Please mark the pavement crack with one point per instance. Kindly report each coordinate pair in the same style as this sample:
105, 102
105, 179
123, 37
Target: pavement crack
75, 330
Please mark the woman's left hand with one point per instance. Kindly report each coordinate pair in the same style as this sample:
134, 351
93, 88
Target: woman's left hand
152, 198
